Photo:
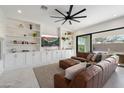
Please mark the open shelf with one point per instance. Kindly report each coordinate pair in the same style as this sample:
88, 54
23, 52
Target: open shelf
20, 36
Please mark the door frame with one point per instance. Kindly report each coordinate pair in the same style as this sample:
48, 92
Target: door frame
81, 36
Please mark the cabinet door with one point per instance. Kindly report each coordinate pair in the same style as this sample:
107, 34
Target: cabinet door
9, 61
48, 57
59, 55
72, 53
29, 59
20, 60
43, 57
66, 54
54, 56
62, 54
37, 58
69, 54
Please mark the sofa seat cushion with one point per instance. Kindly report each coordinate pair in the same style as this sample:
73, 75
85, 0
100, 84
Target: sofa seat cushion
74, 70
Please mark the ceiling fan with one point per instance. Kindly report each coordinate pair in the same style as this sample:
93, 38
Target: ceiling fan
70, 17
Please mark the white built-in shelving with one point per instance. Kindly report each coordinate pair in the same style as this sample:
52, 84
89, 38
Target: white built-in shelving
66, 38
22, 36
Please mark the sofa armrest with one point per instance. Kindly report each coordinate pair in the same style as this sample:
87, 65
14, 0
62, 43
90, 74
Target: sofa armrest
60, 81
79, 58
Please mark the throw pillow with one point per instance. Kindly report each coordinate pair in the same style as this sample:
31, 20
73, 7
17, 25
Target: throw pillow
96, 57
89, 57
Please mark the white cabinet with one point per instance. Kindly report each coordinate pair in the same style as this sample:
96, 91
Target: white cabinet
13, 61
36, 58
53, 56
29, 59
64, 54
20, 60
69, 53
9, 61
49, 57
43, 57
33, 59
57, 56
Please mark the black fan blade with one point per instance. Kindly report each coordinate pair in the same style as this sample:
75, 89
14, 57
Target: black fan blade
75, 20
60, 12
64, 22
79, 12
70, 9
70, 22
59, 20
79, 17
56, 17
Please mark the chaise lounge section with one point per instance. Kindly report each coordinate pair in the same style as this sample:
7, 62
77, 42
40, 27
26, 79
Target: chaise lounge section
66, 63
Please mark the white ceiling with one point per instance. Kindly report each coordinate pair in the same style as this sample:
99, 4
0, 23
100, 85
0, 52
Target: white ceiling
95, 14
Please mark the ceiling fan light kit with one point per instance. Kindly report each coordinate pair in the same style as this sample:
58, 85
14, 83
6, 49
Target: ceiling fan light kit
69, 17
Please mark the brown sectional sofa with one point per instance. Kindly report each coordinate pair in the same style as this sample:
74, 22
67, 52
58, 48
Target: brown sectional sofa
95, 76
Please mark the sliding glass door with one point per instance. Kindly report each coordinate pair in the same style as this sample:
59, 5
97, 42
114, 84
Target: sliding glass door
84, 43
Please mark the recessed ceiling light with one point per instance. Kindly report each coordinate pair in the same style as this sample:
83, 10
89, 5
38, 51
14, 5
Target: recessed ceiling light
19, 11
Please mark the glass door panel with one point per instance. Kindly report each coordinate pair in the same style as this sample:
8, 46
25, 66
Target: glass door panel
83, 43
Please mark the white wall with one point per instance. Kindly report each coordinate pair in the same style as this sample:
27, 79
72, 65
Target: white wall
2, 24
2, 29
115, 23
118, 22
48, 30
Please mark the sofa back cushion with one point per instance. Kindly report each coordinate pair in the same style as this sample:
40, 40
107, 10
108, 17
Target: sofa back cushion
105, 55
73, 70
87, 78
83, 55
113, 59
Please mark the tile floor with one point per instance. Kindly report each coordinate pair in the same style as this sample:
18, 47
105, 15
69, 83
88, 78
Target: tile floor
20, 78
116, 80
25, 78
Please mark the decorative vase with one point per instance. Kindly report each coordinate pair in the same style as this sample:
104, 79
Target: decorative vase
30, 25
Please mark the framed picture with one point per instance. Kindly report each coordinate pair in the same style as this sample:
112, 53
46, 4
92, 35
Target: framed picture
49, 41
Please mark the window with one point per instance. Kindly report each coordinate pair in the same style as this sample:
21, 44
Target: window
111, 41
83, 43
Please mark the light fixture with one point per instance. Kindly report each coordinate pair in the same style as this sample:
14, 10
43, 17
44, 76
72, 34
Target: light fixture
19, 11
43, 7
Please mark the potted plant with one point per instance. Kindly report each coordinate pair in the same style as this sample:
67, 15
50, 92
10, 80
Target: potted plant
34, 34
